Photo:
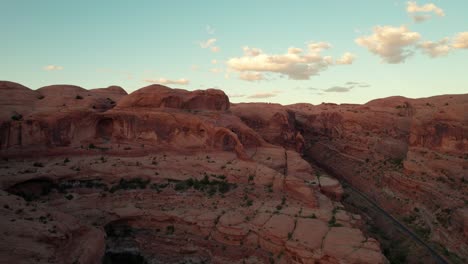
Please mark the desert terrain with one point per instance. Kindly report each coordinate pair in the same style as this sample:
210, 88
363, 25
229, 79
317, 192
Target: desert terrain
166, 175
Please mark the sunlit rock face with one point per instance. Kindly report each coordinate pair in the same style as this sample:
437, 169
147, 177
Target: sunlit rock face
168, 175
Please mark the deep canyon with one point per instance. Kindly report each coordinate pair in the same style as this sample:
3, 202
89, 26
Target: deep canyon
166, 175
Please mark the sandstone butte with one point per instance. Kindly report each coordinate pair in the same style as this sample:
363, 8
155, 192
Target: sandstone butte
167, 175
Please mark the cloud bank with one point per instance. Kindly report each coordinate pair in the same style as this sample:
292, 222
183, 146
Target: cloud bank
392, 44
295, 63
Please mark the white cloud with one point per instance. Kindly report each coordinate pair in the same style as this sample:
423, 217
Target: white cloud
347, 58
294, 50
317, 47
294, 63
210, 44
435, 49
390, 43
53, 68
262, 95
251, 76
168, 81
419, 13
413, 7
251, 51
460, 41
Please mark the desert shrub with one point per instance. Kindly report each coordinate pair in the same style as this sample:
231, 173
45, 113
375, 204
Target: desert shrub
38, 164
16, 117
170, 230
211, 187
135, 183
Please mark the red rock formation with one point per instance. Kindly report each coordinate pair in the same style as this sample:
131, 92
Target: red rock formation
408, 154
169, 172
158, 96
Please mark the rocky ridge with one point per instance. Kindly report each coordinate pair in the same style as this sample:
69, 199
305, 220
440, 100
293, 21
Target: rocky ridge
164, 172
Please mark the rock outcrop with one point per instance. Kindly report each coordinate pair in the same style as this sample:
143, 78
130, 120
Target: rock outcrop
167, 175
181, 175
407, 154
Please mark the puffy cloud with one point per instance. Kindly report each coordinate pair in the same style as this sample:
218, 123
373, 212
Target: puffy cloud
262, 95
294, 63
317, 47
53, 68
413, 7
416, 11
435, 49
347, 58
444, 46
210, 44
460, 41
167, 81
390, 43
251, 76
294, 50
251, 51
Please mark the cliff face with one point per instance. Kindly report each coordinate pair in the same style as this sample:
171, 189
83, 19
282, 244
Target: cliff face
407, 154
166, 174
230, 178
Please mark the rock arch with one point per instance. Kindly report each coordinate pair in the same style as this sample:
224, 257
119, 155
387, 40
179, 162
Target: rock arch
227, 140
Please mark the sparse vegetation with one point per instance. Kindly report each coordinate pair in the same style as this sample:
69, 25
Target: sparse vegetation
16, 117
38, 164
135, 183
170, 230
211, 187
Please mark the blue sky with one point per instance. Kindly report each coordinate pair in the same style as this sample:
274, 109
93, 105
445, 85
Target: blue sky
135, 43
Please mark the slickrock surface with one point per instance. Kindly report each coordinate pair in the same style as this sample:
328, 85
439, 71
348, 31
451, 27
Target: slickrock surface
410, 155
167, 176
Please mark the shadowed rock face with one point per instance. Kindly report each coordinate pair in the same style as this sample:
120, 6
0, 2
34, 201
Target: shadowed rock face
407, 154
173, 176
